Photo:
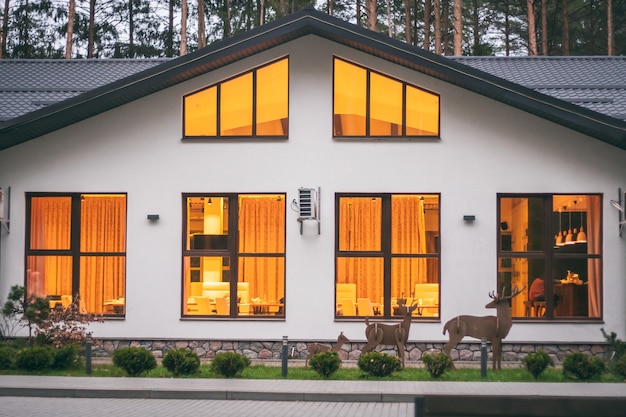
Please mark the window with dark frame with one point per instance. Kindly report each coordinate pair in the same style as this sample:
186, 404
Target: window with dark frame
76, 246
234, 256
387, 254
551, 245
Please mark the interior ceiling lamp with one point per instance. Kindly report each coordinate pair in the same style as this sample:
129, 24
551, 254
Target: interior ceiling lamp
559, 237
569, 239
582, 236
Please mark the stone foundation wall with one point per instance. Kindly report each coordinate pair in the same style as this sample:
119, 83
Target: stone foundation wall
272, 350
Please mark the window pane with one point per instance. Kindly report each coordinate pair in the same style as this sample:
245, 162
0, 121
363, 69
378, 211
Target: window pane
272, 99
579, 292
103, 223
349, 106
524, 217
49, 276
416, 280
261, 286
206, 279
50, 222
236, 106
360, 223
262, 223
207, 223
360, 284
102, 284
201, 113
422, 113
415, 224
576, 220
385, 106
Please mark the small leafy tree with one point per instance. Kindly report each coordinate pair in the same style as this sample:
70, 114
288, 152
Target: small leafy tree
436, 363
19, 309
537, 362
325, 363
66, 325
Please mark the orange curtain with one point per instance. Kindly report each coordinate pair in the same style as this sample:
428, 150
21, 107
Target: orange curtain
103, 230
594, 246
262, 231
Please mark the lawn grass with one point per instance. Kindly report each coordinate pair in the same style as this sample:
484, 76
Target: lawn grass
260, 371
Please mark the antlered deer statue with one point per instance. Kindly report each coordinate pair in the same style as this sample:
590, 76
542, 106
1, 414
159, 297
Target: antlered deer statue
390, 334
315, 348
492, 328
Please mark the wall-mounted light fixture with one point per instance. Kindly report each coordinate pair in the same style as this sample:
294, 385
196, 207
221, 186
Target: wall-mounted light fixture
5, 204
153, 217
619, 205
469, 217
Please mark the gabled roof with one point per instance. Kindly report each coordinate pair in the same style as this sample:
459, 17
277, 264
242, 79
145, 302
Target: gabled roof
305, 22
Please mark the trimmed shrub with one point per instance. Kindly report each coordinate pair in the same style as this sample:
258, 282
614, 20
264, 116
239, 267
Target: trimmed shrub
134, 360
436, 363
537, 362
378, 364
7, 356
619, 367
325, 363
580, 366
181, 361
65, 357
229, 364
34, 358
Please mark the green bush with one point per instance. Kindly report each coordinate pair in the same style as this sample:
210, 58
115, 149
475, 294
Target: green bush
7, 356
134, 360
34, 358
65, 357
378, 364
619, 367
436, 363
325, 363
181, 361
537, 362
229, 364
580, 366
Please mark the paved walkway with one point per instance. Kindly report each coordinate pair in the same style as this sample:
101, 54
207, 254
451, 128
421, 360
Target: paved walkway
288, 390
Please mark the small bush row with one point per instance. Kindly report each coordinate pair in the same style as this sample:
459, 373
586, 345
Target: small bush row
39, 358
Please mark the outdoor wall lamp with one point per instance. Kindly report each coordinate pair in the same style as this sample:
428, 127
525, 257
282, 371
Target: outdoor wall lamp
620, 207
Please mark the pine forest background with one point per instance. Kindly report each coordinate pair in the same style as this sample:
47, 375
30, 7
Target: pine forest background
167, 28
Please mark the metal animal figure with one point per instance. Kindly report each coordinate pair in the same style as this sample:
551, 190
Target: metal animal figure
315, 348
390, 334
492, 328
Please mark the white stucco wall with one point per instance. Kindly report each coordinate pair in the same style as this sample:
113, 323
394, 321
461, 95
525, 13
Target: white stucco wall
485, 148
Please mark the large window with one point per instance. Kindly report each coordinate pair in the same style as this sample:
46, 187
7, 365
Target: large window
367, 104
552, 246
253, 104
387, 252
76, 245
234, 255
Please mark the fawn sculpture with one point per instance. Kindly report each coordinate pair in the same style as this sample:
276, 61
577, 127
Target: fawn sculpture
492, 328
390, 334
315, 348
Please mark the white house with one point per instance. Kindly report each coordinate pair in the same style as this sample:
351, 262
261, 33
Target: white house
297, 178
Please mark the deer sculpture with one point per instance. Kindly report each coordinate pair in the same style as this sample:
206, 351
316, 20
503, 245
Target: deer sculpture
315, 348
492, 328
390, 334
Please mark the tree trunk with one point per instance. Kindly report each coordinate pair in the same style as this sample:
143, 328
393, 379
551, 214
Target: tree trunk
532, 33
91, 29
70, 29
507, 29
131, 30
183, 28
169, 43
445, 35
458, 27
262, 13
565, 27
201, 30
475, 26
544, 27
227, 27
330, 3
609, 28
358, 12
407, 21
372, 16
388, 18
4, 29
438, 27
426, 25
